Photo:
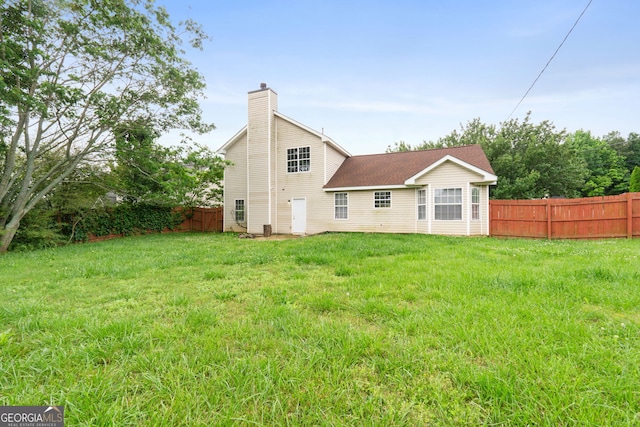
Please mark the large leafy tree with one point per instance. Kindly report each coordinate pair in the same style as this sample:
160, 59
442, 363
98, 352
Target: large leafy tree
608, 174
70, 72
628, 148
530, 160
145, 172
634, 181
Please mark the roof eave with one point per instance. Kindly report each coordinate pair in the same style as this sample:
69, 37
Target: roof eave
324, 138
486, 176
365, 188
230, 142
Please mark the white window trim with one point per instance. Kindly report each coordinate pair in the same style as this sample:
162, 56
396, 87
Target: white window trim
297, 160
461, 204
244, 211
336, 206
479, 218
382, 207
418, 204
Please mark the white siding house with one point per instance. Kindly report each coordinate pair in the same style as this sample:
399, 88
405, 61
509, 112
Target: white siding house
299, 181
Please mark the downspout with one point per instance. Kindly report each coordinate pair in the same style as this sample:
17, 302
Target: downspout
269, 188
429, 211
488, 211
469, 208
275, 118
247, 204
324, 146
415, 211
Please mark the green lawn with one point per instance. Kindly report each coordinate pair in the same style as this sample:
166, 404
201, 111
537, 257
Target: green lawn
337, 329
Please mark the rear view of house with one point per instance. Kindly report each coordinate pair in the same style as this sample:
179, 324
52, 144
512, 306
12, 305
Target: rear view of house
296, 180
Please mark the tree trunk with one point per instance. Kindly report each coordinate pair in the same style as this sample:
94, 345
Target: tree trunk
9, 232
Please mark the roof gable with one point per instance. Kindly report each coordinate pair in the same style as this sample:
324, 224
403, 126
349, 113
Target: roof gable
242, 132
403, 168
324, 138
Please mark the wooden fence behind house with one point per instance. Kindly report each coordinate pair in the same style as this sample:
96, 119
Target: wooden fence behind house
586, 218
203, 219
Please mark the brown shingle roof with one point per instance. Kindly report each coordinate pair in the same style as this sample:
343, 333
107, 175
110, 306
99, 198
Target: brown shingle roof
396, 168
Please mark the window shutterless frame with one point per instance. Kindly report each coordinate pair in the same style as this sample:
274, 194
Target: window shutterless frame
382, 199
475, 203
447, 204
298, 159
239, 210
341, 205
422, 204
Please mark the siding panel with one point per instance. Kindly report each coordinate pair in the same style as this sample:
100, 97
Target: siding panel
306, 185
451, 175
235, 183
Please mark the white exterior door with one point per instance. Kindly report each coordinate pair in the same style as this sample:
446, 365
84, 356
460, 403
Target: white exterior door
298, 216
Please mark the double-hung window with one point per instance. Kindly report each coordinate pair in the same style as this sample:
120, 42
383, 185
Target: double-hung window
422, 204
298, 159
341, 205
239, 211
382, 199
475, 203
447, 204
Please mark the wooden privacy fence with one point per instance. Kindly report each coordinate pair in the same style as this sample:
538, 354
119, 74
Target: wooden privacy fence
203, 219
586, 218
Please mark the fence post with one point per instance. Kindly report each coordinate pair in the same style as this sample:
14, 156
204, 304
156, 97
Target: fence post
549, 218
629, 215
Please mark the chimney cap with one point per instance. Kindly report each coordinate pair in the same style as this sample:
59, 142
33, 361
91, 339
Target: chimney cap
263, 85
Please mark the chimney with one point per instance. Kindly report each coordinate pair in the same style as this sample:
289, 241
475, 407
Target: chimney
260, 151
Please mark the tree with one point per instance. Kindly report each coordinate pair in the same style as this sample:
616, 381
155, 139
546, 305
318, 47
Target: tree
399, 146
138, 162
634, 182
70, 72
608, 174
628, 148
145, 172
530, 160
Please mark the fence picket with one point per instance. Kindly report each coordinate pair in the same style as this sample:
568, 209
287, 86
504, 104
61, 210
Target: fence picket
585, 218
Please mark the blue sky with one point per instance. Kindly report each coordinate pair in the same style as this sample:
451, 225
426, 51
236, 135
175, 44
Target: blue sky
371, 73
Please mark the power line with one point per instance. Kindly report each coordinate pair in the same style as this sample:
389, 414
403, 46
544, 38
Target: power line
549, 61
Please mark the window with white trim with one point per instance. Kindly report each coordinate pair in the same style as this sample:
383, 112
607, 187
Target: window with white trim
475, 203
239, 211
298, 159
382, 199
447, 204
422, 204
341, 205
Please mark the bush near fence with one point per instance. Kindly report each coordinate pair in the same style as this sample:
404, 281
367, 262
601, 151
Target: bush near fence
115, 223
585, 218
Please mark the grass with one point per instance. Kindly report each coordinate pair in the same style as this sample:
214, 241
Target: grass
338, 329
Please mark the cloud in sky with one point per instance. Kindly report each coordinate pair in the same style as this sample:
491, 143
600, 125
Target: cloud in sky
372, 72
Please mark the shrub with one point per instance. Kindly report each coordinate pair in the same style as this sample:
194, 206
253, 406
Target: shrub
634, 181
39, 229
127, 219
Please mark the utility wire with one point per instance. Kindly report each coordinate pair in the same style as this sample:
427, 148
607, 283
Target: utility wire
549, 61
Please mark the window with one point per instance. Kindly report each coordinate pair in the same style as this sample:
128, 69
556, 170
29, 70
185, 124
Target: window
422, 204
341, 203
298, 159
239, 210
447, 204
475, 203
382, 199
